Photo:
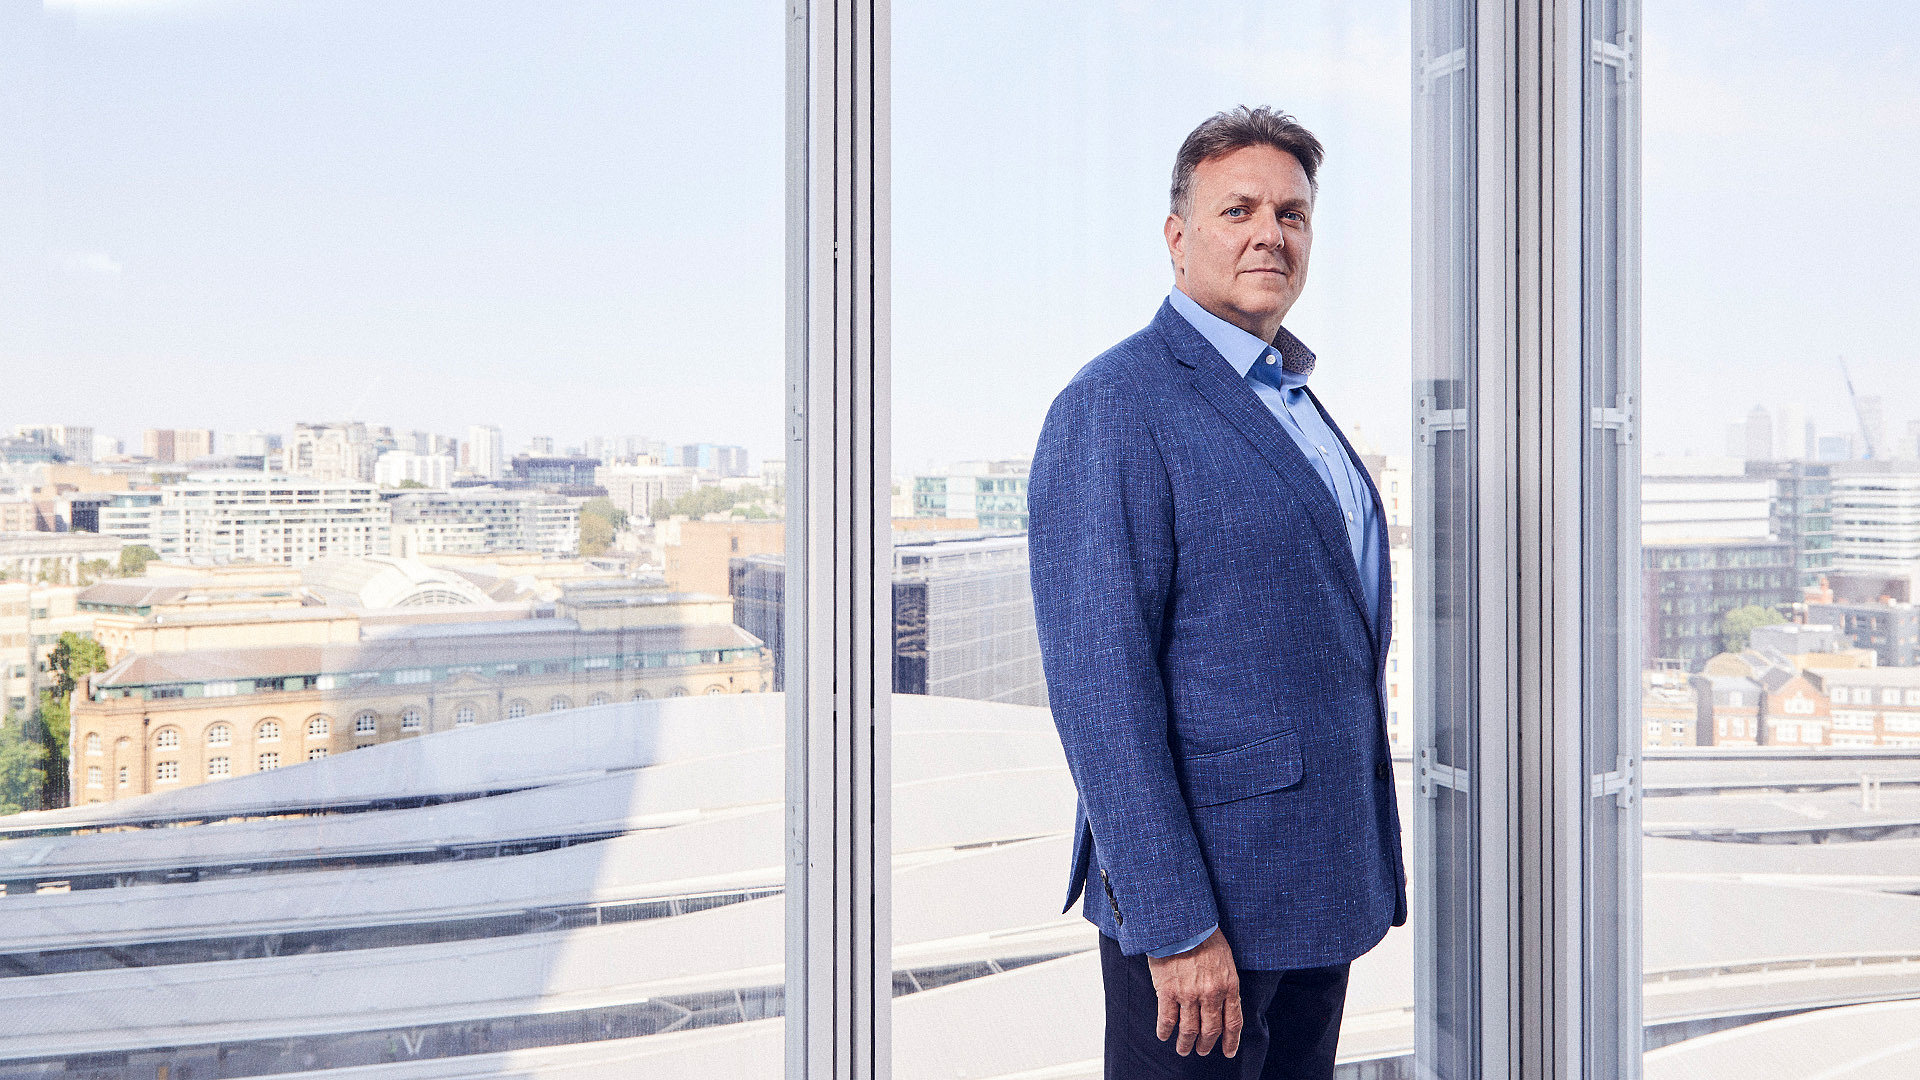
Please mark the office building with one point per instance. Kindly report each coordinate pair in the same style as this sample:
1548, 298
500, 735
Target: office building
67, 441
398, 468
501, 520
334, 452
1688, 586
32, 618
1794, 436
484, 454
1876, 516
1872, 412
1800, 513
637, 488
557, 471
1703, 498
962, 617
1890, 628
1752, 439
773, 474
130, 515
1794, 640
715, 460
170, 446
992, 494
247, 444
50, 556
696, 554
169, 721
963, 621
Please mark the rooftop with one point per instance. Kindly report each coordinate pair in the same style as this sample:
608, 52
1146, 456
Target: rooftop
437, 646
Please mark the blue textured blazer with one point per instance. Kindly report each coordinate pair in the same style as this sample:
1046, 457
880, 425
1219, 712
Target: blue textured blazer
1218, 684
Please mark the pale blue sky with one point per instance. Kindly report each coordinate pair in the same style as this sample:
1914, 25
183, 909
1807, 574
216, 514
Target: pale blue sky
565, 217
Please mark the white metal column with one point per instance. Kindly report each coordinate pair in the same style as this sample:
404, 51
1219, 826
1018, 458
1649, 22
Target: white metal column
1554, 259
1527, 362
838, 591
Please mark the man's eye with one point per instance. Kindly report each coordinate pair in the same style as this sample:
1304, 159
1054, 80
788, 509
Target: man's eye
1295, 215
1238, 211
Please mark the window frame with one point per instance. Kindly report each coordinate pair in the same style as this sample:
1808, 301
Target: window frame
1552, 910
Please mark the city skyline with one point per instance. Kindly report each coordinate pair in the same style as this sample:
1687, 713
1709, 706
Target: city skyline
267, 240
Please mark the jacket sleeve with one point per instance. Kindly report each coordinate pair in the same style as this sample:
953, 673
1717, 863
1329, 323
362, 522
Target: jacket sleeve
1101, 538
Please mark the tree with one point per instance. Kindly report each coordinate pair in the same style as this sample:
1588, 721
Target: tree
134, 559
695, 504
599, 520
93, 570
1736, 626
53, 730
409, 483
73, 659
23, 774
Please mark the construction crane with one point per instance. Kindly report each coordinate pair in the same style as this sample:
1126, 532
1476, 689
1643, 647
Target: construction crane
1866, 433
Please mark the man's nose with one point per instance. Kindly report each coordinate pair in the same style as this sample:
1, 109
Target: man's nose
1271, 237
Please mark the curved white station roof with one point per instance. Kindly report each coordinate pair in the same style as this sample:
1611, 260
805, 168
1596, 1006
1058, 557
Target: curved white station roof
385, 581
413, 909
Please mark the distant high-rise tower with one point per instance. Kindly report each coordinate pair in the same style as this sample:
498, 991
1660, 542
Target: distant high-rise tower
1792, 435
486, 454
1758, 445
1873, 424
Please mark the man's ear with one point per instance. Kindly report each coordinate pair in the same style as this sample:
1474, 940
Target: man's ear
1175, 231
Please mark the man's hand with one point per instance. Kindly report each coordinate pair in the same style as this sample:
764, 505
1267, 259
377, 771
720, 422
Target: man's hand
1199, 993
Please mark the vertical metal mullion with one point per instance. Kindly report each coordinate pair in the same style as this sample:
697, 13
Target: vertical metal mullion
1496, 461
1548, 809
838, 679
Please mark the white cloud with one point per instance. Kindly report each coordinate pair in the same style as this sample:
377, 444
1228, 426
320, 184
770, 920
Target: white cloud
92, 262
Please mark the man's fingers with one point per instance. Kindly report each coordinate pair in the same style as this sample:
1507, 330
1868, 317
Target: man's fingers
1189, 1026
1169, 1019
1230, 1039
1212, 1021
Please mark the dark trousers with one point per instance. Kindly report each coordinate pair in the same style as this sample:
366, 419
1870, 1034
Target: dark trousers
1292, 1024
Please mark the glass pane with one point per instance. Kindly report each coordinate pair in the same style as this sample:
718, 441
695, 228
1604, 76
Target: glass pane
1609, 356
394, 391
1444, 571
1033, 148
1780, 696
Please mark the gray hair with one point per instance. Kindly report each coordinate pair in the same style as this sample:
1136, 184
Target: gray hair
1237, 128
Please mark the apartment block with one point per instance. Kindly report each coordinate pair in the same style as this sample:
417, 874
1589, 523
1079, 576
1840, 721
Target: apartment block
280, 519
176, 445
469, 520
992, 494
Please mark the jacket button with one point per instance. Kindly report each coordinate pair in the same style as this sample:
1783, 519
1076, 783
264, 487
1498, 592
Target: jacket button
1383, 770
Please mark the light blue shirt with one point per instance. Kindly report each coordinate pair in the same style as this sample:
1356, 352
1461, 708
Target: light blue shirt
1301, 420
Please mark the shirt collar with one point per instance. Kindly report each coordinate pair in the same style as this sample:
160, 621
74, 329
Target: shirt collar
1242, 349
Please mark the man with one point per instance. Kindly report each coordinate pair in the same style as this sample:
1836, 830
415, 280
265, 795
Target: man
1210, 580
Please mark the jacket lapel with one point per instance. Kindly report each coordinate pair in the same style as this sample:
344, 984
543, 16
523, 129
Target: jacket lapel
1379, 618
1213, 377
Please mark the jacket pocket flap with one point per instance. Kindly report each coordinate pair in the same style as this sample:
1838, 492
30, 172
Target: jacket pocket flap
1241, 772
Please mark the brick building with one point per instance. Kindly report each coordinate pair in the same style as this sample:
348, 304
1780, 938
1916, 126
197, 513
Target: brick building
157, 722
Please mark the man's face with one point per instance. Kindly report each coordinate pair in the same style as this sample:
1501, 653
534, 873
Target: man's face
1241, 251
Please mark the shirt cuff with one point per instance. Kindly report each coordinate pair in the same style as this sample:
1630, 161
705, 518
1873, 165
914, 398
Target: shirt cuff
1179, 947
